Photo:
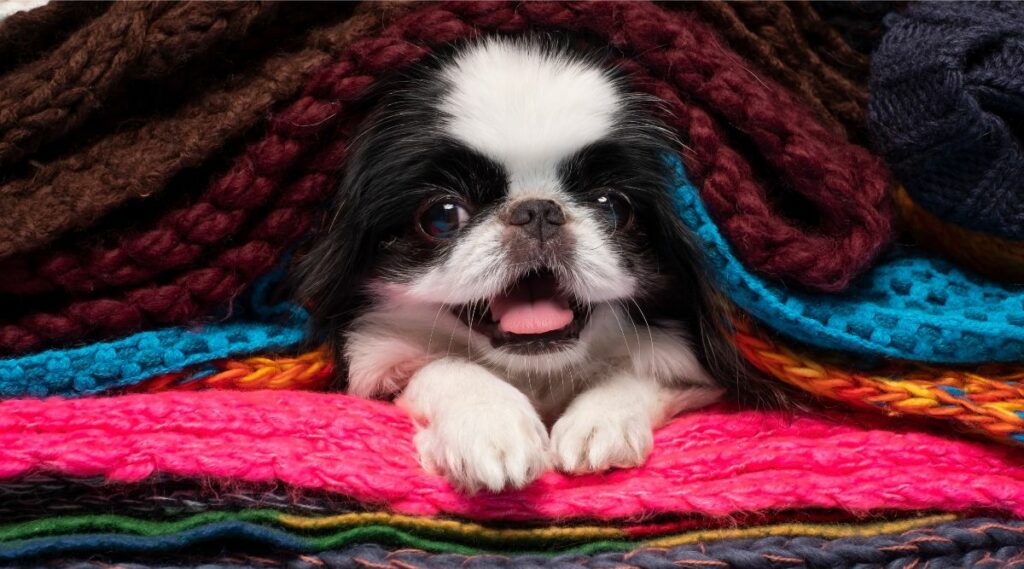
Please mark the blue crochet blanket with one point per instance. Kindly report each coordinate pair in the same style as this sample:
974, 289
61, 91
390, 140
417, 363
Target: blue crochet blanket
911, 306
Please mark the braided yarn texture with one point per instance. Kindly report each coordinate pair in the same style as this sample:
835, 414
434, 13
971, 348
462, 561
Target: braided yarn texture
910, 307
142, 157
1000, 259
52, 96
945, 114
714, 463
264, 167
27, 34
311, 371
187, 230
987, 401
791, 43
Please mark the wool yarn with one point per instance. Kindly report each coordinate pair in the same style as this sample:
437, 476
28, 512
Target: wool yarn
451, 535
16, 6
791, 43
712, 463
256, 326
977, 543
291, 532
988, 401
946, 104
141, 158
859, 21
51, 96
996, 258
312, 371
911, 306
27, 34
186, 231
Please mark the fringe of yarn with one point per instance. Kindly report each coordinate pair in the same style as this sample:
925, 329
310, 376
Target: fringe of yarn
1000, 259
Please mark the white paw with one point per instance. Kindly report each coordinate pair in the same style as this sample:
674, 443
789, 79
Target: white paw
490, 445
592, 438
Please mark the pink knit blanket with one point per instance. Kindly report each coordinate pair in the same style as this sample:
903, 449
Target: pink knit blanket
714, 462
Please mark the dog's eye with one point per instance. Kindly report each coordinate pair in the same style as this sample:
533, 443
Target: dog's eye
616, 209
442, 219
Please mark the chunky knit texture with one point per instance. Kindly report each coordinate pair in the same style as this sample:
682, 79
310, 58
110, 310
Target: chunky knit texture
255, 326
911, 306
75, 188
32, 33
1000, 259
132, 39
187, 230
715, 462
947, 99
846, 183
792, 44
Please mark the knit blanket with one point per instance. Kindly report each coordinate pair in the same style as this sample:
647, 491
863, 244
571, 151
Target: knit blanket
716, 463
160, 402
910, 306
720, 474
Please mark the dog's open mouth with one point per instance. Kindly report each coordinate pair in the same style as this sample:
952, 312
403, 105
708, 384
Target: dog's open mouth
532, 316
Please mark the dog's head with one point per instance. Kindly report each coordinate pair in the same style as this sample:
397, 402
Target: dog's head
521, 188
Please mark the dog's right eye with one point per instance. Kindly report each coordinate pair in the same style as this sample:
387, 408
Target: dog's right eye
442, 219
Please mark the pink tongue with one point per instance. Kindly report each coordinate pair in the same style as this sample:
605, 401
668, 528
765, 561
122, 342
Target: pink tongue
531, 307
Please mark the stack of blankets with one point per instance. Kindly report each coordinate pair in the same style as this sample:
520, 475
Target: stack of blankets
854, 173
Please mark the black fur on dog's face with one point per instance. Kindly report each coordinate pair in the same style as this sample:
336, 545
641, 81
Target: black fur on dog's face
515, 196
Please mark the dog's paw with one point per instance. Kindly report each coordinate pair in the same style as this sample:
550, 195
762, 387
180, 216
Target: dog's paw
493, 446
592, 438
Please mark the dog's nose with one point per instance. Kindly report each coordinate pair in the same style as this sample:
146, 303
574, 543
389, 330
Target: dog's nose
541, 219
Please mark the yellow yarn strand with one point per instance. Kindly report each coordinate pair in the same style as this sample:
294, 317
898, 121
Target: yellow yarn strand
466, 529
826, 531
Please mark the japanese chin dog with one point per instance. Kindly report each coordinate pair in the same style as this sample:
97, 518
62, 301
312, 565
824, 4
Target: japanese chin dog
503, 256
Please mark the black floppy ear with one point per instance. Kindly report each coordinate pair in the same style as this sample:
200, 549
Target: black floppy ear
330, 274
709, 317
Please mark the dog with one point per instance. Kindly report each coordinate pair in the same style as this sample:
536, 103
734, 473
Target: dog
503, 257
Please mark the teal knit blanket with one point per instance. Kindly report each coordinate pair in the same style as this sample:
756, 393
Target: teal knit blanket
911, 306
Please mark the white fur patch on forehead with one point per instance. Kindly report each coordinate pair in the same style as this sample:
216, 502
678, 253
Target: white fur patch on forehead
525, 106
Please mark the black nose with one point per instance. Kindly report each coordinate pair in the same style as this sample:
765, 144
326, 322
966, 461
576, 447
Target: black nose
540, 219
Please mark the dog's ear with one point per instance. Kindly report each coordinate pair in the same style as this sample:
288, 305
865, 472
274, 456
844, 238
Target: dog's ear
708, 315
330, 273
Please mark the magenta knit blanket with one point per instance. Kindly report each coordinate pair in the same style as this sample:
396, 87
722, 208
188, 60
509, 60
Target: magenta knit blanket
713, 462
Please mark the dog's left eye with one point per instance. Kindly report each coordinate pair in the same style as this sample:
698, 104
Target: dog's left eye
616, 209
443, 219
